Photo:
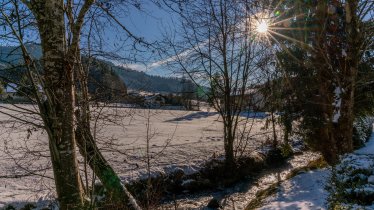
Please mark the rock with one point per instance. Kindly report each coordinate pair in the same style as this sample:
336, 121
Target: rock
177, 174
371, 179
213, 204
10, 207
188, 182
29, 206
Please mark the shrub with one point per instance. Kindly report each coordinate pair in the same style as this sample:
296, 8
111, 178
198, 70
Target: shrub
352, 182
362, 130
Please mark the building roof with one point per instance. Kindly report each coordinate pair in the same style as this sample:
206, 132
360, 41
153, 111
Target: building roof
11, 88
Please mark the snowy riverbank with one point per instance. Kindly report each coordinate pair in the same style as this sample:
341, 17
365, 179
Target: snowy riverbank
307, 190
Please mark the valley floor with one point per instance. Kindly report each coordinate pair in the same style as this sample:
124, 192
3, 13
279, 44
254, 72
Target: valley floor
177, 140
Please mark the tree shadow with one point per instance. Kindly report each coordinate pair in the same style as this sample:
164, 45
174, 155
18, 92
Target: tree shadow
254, 115
304, 191
193, 116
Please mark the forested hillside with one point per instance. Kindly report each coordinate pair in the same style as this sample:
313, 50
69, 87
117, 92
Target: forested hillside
101, 71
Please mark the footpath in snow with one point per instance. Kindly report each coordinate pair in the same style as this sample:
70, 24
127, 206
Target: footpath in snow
307, 190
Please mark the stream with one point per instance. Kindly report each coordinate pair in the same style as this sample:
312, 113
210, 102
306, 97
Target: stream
238, 196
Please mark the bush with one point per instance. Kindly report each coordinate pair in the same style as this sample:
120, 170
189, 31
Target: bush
287, 150
352, 182
216, 171
362, 130
278, 155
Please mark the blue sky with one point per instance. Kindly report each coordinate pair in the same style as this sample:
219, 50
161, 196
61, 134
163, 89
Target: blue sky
150, 23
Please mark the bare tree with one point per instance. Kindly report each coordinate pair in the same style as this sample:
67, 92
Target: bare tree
217, 49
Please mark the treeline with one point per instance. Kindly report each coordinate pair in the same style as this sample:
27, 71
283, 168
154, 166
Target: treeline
141, 81
104, 75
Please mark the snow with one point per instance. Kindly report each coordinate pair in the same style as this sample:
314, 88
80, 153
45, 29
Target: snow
239, 195
368, 149
188, 181
179, 140
337, 104
352, 162
307, 190
371, 179
344, 53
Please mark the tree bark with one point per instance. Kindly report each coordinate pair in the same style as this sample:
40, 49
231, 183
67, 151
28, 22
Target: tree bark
350, 70
325, 98
229, 146
338, 69
58, 112
117, 192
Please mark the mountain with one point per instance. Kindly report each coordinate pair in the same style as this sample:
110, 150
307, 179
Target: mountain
141, 81
13, 55
134, 80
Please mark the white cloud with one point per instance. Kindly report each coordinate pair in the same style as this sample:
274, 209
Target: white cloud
147, 67
181, 56
136, 66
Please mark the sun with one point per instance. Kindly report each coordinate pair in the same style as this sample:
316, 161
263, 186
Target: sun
262, 27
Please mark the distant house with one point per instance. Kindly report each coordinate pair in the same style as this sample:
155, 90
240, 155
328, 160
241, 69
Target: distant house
253, 99
156, 100
10, 92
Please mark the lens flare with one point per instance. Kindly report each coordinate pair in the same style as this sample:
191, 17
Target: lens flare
262, 27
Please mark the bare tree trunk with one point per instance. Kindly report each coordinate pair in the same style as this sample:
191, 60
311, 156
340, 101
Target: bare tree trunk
58, 113
89, 150
350, 70
275, 139
88, 147
229, 146
229, 136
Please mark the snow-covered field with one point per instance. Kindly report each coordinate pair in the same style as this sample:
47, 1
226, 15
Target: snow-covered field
177, 139
307, 190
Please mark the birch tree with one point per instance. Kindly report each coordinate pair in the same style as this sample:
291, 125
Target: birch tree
58, 109
65, 117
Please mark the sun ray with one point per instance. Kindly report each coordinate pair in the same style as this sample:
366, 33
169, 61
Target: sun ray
267, 26
288, 29
291, 39
287, 19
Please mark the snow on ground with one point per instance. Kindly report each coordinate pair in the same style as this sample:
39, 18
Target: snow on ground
307, 190
178, 139
238, 196
368, 149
